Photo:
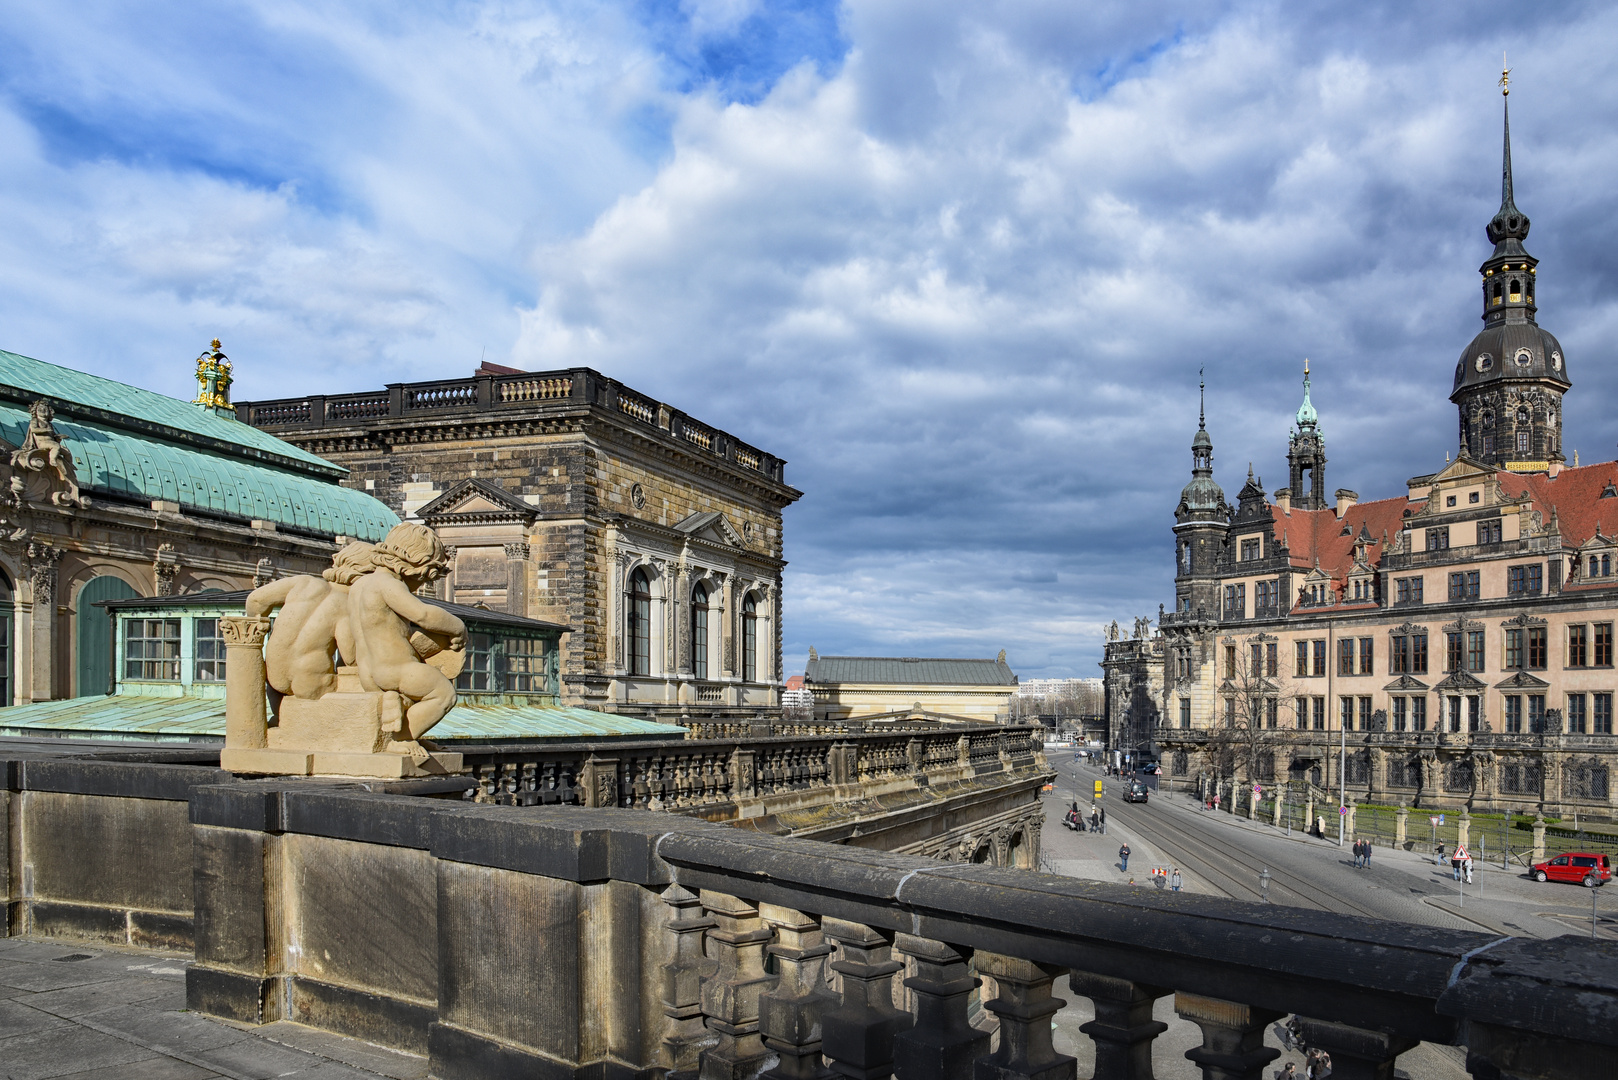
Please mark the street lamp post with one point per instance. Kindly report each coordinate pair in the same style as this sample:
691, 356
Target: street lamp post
1342, 784
1264, 884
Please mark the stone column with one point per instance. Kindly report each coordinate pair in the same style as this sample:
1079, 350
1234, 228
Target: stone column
1539, 838
730, 996
1401, 825
1024, 1004
517, 579
42, 560
790, 1014
246, 719
1232, 1036
1123, 1029
942, 1045
685, 1036
1463, 829
1349, 828
857, 1036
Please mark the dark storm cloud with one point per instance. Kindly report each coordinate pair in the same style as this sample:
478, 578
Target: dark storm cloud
959, 263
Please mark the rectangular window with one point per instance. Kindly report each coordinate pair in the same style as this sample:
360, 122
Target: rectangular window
1407, 590
1366, 653
524, 666
1398, 714
1272, 711
1454, 713
1601, 715
1525, 580
1474, 713
1320, 657
1249, 550
1365, 714
1538, 647
1438, 539
1230, 662
1320, 714
210, 651
1235, 601
1270, 659
478, 672
1301, 707
1536, 713
1474, 650
152, 649
1418, 713
1399, 656
1457, 586
1578, 651
1513, 714
1302, 667
1576, 717
1513, 649
1345, 656
1418, 654
1185, 714
1230, 712
1602, 653
1346, 709
1454, 651
1489, 532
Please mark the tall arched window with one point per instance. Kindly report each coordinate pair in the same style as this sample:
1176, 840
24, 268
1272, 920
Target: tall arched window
638, 632
699, 631
1497, 292
750, 638
1516, 291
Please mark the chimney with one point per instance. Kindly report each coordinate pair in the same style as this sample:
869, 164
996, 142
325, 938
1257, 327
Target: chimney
1345, 501
1283, 499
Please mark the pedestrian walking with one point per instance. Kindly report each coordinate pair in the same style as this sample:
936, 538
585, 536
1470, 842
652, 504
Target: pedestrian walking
1123, 858
1095, 822
1174, 880
1288, 1073
1466, 869
1103, 820
1356, 852
1368, 847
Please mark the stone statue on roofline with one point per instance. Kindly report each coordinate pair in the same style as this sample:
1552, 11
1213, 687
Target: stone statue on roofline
42, 453
356, 671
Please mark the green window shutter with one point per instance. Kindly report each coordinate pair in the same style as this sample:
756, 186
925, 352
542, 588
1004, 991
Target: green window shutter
93, 634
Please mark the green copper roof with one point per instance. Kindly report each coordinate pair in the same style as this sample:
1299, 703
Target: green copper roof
188, 717
1307, 417
133, 443
24, 379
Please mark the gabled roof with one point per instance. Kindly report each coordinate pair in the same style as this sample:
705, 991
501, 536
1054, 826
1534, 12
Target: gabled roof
909, 670
1313, 536
476, 501
710, 525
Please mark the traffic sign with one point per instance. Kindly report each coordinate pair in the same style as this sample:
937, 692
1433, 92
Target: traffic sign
1460, 852
1432, 820
1257, 790
1098, 789
1441, 819
1342, 810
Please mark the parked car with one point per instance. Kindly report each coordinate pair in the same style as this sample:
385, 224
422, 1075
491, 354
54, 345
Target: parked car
1578, 867
1137, 792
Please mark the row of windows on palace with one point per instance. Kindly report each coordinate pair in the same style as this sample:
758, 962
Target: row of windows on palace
638, 630
154, 651
1588, 645
1586, 780
1525, 579
1586, 713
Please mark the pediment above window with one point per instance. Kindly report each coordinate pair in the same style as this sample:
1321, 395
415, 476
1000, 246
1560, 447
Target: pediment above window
476, 502
1521, 680
1406, 684
712, 526
1461, 680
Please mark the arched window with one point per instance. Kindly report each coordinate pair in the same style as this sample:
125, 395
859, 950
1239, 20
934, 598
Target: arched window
1606, 566
638, 632
1497, 292
699, 631
1593, 570
1529, 288
1516, 290
93, 634
750, 638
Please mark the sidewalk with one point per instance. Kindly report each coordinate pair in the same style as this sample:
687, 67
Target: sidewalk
97, 1013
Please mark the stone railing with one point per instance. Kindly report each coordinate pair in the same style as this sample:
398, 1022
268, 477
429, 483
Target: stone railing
504, 393
728, 778
566, 942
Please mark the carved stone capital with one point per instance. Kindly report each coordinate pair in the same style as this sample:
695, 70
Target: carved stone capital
165, 567
517, 551
243, 630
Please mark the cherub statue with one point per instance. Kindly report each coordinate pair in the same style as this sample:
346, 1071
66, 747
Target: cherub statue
382, 607
42, 449
312, 625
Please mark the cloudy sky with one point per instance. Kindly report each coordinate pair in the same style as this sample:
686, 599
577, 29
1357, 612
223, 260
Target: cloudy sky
959, 263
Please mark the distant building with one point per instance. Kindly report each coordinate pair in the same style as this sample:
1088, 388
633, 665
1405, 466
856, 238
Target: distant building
568, 497
796, 695
116, 492
1052, 688
864, 686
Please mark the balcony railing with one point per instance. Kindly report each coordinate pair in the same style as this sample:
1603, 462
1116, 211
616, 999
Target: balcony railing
498, 393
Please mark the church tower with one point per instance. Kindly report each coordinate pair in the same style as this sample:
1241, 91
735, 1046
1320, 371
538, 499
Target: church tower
1306, 455
1199, 528
1510, 380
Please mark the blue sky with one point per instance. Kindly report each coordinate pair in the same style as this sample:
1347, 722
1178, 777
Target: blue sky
958, 262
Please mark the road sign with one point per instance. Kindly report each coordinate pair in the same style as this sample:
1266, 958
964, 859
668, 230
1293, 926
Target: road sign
1098, 789
1432, 820
1441, 819
1343, 810
1460, 852
1257, 790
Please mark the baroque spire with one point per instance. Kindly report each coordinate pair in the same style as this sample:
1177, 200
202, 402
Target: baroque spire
1508, 223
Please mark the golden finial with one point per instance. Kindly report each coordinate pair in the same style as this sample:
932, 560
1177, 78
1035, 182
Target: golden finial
213, 381
1306, 366
1505, 77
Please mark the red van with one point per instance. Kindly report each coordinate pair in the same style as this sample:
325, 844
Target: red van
1577, 867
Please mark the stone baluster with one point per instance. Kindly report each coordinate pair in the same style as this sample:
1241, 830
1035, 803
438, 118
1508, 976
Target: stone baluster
1123, 1029
1024, 1006
730, 995
682, 977
1356, 1053
1232, 1037
943, 1044
857, 1035
790, 1015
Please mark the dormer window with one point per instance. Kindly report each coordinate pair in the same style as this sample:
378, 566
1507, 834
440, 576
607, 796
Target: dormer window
1250, 549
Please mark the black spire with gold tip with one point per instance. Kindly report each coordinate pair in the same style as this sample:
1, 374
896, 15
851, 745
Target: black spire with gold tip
1509, 223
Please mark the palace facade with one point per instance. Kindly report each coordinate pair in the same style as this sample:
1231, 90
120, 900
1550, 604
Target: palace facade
568, 497
1456, 638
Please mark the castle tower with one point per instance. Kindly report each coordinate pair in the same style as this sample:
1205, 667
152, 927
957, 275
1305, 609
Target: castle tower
1199, 527
1306, 455
1510, 380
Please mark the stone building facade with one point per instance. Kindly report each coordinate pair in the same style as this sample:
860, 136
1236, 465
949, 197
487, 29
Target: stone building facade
112, 492
571, 498
1451, 645
855, 687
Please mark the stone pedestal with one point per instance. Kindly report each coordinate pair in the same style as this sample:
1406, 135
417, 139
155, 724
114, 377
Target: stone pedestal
245, 709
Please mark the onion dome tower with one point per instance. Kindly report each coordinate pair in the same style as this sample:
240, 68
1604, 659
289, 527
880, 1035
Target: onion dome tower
1199, 525
1510, 380
1306, 455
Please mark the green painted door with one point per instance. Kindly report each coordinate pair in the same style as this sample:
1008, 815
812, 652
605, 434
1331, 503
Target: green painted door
94, 633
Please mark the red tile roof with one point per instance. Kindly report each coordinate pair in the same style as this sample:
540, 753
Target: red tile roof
1318, 534
1575, 494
